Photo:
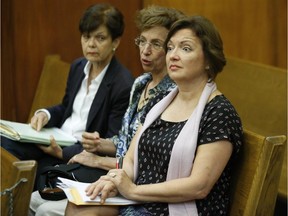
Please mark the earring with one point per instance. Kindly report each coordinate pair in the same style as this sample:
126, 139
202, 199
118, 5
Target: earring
114, 49
207, 67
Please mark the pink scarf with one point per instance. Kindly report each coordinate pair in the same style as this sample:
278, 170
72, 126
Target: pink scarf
182, 155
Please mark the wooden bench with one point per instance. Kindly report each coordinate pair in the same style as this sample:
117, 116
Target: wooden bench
50, 90
256, 178
51, 85
12, 171
257, 174
259, 93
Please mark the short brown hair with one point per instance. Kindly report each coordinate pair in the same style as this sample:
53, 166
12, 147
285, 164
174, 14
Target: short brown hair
102, 14
210, 38
153, 15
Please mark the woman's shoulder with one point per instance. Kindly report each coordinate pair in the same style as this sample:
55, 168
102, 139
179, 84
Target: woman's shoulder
122, 70
220, 109
220, 102
165, 85
145, 77
118, 75
76, 66
220, 120
79, 61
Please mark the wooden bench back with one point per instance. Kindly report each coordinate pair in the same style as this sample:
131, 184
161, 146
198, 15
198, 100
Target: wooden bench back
51, 85
12, 170
259, 93
257, 174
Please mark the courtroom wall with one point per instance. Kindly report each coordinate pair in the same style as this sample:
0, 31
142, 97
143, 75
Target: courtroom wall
32, 29
254, 30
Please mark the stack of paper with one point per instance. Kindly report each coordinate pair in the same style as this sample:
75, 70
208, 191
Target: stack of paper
75, 192
25, 133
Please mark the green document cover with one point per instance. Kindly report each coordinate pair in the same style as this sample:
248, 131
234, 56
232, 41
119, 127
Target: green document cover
26, 134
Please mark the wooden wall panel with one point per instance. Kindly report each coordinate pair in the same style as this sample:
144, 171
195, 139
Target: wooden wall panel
31, 29
8, 101
253, 30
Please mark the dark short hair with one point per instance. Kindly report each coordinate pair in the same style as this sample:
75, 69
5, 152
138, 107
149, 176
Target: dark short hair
210, 38
154, 15
102, 14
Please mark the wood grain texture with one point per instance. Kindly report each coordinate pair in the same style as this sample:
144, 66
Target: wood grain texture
52, 83
259, 94
35, 28
252, 30
257, 174
12, 170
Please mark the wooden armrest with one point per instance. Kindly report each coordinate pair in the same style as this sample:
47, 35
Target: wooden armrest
12, 170
256, 178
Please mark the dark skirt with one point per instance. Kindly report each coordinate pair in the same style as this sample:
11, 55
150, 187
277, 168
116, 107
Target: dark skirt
133, 210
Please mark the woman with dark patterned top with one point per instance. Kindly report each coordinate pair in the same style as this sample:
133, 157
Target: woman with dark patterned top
180, 160
153, 23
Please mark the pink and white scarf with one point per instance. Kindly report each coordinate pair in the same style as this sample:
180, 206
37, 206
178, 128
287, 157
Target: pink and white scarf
183, 151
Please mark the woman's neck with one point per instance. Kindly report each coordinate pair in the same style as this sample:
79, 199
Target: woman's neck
191, 91
95, 70
156, 79
97, 67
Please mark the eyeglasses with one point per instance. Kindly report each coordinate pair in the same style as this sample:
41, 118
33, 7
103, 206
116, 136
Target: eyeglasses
155, 45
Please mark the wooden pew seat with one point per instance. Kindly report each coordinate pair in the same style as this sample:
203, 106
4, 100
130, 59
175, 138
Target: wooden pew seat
259, 93
49, 92
12, 170
51, 85
257, 174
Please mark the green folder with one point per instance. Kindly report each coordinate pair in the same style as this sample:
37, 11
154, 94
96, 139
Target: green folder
26, 134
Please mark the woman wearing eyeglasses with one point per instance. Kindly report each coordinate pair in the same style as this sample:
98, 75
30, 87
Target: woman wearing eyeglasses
181, 160
153, 23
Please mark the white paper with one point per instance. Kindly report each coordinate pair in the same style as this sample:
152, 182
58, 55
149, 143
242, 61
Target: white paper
81, 187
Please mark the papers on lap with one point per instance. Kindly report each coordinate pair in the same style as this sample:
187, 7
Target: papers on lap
25, 133
75, 192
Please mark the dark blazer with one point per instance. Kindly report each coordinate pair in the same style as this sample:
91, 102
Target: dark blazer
108, 106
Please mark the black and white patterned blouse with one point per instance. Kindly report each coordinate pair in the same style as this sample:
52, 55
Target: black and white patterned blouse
219, 121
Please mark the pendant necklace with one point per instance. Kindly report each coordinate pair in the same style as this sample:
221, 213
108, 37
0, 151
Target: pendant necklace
145, 99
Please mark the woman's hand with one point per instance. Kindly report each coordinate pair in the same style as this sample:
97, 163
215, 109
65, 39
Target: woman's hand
85, 158
53, 149
103, 187
39, 120
109, 185
91, 142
